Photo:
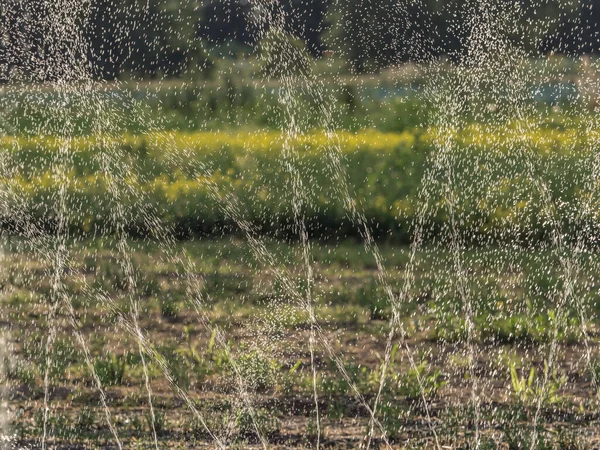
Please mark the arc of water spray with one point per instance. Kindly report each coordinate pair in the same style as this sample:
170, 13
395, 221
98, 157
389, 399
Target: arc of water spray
569, 266
127, 265
39, 242
584, 211
63, 61
342, 187
231, 210
58, 256
6, 359
465, 296
166, 243
195, 299
299, 219
159, 360
396, 325
570, 269
129, 323
481, 26
316, 91
289, 160
111, 161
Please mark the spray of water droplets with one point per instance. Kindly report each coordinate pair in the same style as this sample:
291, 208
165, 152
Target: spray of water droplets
299, 224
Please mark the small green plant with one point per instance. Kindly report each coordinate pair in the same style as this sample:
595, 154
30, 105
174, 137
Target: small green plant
450, 329
56, 358
569, 440
180, 370
523, 388
57, 424
169, 308
313, 429
86, 418
392, 417
218, 419
248, 422
20, 371
420, 381
19, 427
160, 421
519, 436
416, 382
137, 425
527, 389
150, 287
336, 385
260, 373
111, 370
292, 378
370, 298
457, 430
199, 362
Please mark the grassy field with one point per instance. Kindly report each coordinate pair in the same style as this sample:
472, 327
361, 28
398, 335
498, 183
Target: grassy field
159, 288
224, 336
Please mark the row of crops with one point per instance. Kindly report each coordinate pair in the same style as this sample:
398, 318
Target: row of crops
519, 181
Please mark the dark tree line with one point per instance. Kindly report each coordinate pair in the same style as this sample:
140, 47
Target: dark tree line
156, 38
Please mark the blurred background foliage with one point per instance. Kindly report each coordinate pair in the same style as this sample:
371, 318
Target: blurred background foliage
191, 39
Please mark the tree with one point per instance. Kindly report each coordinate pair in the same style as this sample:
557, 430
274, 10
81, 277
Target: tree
147, 39
372, 35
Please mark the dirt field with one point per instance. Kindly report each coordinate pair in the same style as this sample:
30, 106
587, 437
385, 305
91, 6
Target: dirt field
226, 347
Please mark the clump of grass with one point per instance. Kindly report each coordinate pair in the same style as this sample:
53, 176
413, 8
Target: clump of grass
529, 328
86, 418
160, 421
259, 372
419, 381
169, 307
19, 370
313, 428
249, 423
373, 300
57, 425
519, 436
150, 287
57, 358
530, 388
392, 419
111, 370
412, 383
569, 440
236, 425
